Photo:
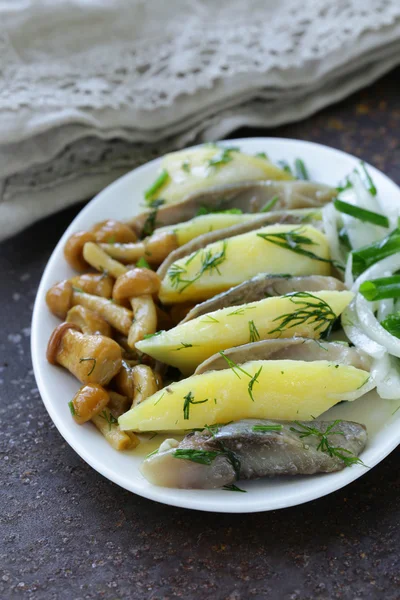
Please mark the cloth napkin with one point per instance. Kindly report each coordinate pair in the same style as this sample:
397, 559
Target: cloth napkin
89, 89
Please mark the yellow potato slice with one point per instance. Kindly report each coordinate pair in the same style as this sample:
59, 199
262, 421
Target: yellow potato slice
187, 231
281, 389
223, 264
187, 345
202, 168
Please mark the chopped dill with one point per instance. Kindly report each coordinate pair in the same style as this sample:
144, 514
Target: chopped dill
312, 310
150, 222
209, 319
270, 204
203, 457
265, 428
253, 378
254, 335
182, 346
240, 311
188, 400
210, 262
72, 408
233, 488
111, 420
186, 166
94, 361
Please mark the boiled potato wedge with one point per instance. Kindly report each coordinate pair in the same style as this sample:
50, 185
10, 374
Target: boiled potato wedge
281, 389
191, 170
300, 314
223, 264
187, 231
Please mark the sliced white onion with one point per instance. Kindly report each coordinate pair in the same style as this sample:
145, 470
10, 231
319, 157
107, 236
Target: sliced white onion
364, 197
348, 273
356, 335
386, 373
371, 327
385, 308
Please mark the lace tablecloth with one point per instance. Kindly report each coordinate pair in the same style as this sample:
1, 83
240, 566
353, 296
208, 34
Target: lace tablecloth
92, 88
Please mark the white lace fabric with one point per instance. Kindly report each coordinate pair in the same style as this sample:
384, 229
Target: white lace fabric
91, 88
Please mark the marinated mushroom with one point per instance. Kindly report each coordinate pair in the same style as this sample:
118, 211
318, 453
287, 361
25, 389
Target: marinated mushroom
155, 248
73, 249
118, 404
138, 285
100, 260
88, 401
145, 383
112, 231
91, 358
107, 424
59, 298
124, 381
117, 316
88, 321
98, 284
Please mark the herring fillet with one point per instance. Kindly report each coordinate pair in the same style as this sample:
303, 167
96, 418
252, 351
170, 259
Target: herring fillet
240, 452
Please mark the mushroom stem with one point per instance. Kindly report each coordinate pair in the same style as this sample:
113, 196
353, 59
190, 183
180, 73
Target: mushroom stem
117, 316
145, 383
98, 284
144, 319
88, 321
91, 358
125, 253
107, 424
100, 260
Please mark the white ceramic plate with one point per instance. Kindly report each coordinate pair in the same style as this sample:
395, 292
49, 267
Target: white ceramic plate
122, 200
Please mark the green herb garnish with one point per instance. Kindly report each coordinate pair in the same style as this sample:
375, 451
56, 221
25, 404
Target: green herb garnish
240, 311
324, 445
111, 420
186, 166
261, 155
93, 365
188, 400
236, 369
203, 457
157, 185
293, 240
367, 216
207, 210
270, 204
72, 408
151, 335
300, 169
367, 180
112, 240
209, 319
210, 262
142, 263
312, 310
222, 157
182, 346
233, 488
254, 335
150, 222
368, 255
383, 287
284, 165
392, 324
265, 428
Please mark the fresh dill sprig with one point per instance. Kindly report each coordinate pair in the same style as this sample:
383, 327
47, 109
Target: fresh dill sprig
312, 310
188, 400
94, 361
222, 157
111, 420
182, 346
324, 444
235, 368
203, 457
150, 222
293, 240
254, 335
210, 262
209, 319
240, 311
233, 488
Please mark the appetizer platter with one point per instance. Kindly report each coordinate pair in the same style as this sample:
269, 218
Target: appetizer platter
226, 319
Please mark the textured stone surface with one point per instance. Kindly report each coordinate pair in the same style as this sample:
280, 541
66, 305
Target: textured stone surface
67, 533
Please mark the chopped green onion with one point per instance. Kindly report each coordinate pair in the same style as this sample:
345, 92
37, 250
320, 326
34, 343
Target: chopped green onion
159, 182
362, 214
270, 204
392, 324
151, 335
203, 457
367, 180
263, 428
379, 289
368, 255
142, 263
284, 165
344, 239
300, 169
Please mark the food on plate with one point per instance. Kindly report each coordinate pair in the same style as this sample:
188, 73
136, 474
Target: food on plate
266, 389
262, 286
236, 275
296, 314
220, 455
296, 348
303, 250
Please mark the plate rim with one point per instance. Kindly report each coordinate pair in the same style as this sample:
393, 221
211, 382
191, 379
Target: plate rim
153, 492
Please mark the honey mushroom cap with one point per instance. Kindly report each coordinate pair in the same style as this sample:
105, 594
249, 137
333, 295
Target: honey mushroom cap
89, 401
55, 340
73, 249
59, 298
110, 229
137, 282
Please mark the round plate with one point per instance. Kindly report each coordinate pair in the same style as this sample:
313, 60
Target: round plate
122, 200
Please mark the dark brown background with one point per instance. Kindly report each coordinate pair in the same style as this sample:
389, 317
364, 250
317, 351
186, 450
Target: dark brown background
70, 534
